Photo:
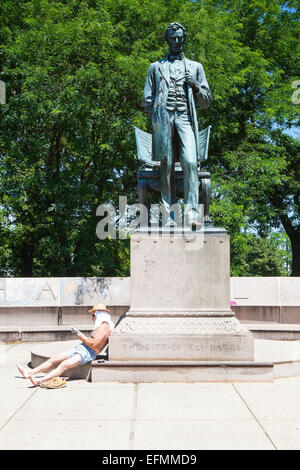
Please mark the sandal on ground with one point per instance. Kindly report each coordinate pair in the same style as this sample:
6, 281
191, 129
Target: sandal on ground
55, 382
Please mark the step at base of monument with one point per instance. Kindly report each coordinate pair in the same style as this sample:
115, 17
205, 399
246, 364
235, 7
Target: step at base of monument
177, 371
273, 359
274, 331
30, 316
42, 352
278, 331
79, 372
27, 334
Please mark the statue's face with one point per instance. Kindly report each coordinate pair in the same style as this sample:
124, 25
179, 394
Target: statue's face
175, 41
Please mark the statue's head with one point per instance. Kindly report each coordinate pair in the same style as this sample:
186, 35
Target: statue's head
175, 36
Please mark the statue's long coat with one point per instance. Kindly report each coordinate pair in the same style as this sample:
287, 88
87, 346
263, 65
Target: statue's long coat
155, 98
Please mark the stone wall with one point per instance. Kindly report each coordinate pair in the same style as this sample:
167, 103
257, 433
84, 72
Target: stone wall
58, 301
65, 291
266, 299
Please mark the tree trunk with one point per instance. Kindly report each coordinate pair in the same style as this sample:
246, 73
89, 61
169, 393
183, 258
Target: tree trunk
294, 236
26, 255
295, 244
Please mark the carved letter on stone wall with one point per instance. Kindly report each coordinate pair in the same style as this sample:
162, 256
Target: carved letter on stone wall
47, 291
2, 289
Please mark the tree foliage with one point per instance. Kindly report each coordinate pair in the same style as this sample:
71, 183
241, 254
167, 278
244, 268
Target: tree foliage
75, 72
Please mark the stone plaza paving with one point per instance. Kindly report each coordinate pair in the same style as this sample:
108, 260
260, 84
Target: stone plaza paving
150, 416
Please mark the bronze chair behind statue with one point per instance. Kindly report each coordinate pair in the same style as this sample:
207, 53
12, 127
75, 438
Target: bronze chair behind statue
149, 178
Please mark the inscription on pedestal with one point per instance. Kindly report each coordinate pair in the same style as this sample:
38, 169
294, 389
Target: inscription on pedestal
182, 348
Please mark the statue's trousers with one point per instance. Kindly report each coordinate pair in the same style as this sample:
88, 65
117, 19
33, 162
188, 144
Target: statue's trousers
180, 133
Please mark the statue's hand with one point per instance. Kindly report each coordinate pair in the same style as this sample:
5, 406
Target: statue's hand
191, 81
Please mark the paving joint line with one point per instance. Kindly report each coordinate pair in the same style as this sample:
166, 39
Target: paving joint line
133, 417
256, 419
18, 409
4, 350
11, 346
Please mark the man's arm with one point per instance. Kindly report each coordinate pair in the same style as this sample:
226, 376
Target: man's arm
98, 336
149, 92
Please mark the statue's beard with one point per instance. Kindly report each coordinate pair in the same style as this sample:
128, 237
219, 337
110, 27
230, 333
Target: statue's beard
177, 50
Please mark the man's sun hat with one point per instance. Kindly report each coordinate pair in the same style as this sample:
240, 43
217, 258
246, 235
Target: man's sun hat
98, 307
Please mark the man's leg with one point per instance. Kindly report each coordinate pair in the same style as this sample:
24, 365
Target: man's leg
69, 363
188, 161
49, 364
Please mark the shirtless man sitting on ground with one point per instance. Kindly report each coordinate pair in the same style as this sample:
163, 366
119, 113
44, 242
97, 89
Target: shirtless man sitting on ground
79, 355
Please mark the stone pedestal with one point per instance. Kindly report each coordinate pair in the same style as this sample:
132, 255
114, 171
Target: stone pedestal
180, 305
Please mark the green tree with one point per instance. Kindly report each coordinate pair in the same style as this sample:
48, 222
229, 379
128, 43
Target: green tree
256, 163
257, 256
63, 140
